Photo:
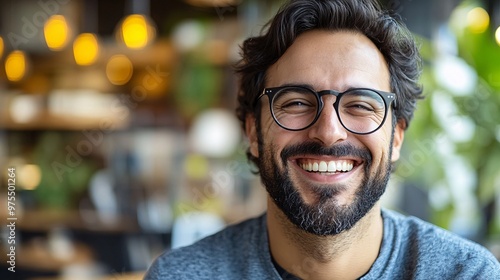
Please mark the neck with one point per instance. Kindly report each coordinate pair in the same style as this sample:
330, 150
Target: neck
348, 255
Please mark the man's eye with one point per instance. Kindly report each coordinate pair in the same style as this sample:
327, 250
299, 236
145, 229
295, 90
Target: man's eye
361, 107
296, 103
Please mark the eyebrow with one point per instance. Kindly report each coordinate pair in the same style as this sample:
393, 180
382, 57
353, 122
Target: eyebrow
311, 87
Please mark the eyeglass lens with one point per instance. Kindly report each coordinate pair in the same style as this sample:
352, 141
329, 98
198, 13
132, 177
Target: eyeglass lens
359, 110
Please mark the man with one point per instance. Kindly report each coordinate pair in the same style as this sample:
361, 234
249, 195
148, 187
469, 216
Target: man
326, 95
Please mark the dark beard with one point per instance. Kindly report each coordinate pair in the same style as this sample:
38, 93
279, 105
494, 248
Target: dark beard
326, 217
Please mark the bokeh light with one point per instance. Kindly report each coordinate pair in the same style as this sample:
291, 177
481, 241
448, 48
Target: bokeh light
215, 133
15, 66
119, 69
24, 108
56, 31
85, 49
137, 31
478, 20
29, 176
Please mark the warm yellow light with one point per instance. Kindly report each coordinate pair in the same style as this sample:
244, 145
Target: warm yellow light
29, 176
478, 20
136, 31
119, 69
85, 49
1, 46
56, 32
497, 35
15, 66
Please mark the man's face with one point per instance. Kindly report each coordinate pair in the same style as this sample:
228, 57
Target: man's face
326, 203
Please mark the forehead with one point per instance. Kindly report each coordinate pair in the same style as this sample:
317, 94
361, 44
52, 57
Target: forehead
331, 60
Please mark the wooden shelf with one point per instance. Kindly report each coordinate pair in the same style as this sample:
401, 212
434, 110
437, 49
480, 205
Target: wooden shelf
118, 276
47, 121
37, 256
46, 220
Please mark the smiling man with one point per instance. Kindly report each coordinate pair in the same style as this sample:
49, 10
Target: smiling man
327, 93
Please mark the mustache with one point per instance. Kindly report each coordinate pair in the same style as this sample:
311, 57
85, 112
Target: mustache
315, 148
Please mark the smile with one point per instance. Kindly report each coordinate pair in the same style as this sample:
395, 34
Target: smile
331, 167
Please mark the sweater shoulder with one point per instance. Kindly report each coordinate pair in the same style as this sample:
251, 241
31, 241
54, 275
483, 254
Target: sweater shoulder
427, 247
430, 236
212, 256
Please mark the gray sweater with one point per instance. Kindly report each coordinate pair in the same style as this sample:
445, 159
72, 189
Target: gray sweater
411, 249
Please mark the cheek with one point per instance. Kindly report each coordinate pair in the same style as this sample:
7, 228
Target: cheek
275, 138
379, 144
270, 131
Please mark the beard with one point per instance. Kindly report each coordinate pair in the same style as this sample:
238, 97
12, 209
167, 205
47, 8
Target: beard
326, 216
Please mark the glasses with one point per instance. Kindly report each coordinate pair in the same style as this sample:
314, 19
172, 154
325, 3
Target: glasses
360, 110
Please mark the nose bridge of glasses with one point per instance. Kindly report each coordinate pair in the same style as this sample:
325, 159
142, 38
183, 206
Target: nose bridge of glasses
332, 109
327, 125
329, 92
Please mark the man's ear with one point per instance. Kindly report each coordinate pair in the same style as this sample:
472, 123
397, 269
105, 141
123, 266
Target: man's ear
399, 135
251, 132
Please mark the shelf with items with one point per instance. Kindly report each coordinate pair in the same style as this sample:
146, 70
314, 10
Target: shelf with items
47, 121
63, 110
45, 220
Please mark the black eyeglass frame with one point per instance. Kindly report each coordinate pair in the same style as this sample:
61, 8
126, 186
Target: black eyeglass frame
388, 97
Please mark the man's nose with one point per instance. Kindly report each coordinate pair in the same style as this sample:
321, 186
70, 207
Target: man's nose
328, 130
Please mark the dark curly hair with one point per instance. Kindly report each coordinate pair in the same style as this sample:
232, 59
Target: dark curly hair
385, 30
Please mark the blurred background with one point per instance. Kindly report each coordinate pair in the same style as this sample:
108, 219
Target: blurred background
118, 118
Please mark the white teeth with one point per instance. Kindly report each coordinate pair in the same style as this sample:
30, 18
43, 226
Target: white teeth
323, 167
315, 167
331, 166
339, 166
